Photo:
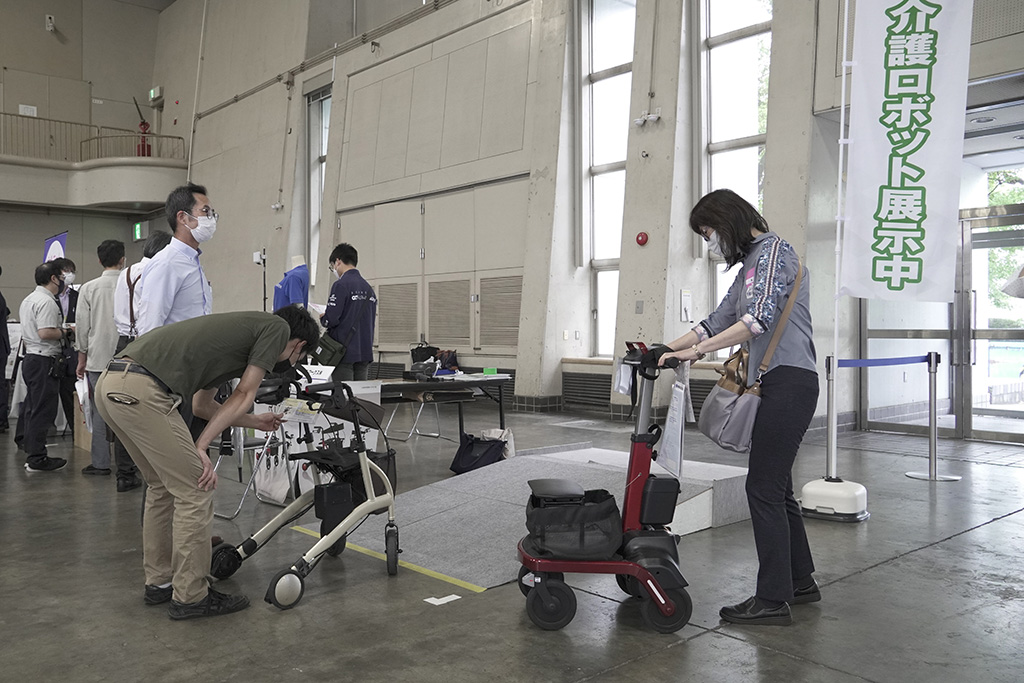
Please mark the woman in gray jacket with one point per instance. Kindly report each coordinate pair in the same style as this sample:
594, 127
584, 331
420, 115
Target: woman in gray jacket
736, 232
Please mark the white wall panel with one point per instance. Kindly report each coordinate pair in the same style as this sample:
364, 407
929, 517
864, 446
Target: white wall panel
463, 106
448, 233
499, 218
504, 106
362, 147
393, 127
357, 228
398, 235
427, 116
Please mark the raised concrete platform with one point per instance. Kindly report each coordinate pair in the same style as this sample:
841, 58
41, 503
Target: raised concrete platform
720, 497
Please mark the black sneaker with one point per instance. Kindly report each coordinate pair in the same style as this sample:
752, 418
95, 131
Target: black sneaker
155, 595
89, 469
46, 464
802, 596
213, 605
128, 483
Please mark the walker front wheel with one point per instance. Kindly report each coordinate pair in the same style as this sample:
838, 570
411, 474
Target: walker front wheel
391, 549
285, 590
526, 579
557, 611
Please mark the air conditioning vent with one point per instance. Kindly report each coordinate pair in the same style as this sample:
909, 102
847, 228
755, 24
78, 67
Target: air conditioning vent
586, 389
397, 307
448, 314
500, 299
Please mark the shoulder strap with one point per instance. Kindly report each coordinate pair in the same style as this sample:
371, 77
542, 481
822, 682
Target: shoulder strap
132, 329
777, 335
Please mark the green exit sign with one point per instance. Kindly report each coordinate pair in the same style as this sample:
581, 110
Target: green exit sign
137, 232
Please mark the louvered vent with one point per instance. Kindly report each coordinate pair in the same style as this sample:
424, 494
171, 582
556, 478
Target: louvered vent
699, 390
396, 313
448, 314
586, 389
500, 298
386, 370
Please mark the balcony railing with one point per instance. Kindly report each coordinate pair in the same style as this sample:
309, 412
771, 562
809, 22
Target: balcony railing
36, 138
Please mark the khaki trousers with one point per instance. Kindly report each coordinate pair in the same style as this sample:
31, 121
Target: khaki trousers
178, 518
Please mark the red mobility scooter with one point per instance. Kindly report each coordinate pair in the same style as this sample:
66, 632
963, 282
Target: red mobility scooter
577, 531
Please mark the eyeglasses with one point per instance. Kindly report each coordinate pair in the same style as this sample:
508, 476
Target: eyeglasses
208, 212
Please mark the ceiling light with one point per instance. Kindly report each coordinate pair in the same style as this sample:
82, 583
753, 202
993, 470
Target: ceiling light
983, 119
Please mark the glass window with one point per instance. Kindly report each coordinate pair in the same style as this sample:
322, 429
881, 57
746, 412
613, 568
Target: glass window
735, 14
742, 171
739, 87
607, 303
612, 23
319, 121
610, 116
609, 196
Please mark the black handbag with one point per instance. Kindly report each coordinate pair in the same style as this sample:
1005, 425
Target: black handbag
423, 352
475, 453
330, 351
588, 530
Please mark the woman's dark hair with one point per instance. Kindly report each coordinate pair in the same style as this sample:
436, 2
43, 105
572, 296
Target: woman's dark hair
731, 217
301, 324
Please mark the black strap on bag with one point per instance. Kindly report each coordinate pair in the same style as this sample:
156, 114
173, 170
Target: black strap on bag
132, 329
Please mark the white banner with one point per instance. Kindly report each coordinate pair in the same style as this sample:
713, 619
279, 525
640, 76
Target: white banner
908, 97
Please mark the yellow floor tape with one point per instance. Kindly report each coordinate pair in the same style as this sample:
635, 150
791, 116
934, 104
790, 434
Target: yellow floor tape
402, 563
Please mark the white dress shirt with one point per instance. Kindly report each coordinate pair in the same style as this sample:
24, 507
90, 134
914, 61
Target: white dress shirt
122, 314
95, 333
173, 288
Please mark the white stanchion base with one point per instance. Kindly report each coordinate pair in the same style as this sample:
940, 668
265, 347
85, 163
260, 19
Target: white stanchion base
834, 500
938, 477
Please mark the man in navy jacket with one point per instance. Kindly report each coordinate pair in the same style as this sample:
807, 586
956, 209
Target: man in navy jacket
351, 314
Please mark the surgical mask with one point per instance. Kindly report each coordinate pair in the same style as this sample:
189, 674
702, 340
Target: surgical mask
69, 278
714, 246
204, 231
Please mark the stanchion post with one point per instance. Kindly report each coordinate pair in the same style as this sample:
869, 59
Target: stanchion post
830, 386
933, 425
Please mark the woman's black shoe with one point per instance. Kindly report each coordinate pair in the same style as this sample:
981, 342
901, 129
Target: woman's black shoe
750, 612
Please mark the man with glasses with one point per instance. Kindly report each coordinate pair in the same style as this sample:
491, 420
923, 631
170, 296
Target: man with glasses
173, 286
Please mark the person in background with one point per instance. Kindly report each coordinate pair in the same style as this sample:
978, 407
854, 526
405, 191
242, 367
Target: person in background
5, 350
42, 331
173, 285
68, 300
748, 314
126, 302
96, 338
351, 314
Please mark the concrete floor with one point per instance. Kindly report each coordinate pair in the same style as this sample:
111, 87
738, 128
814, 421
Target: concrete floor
929, 589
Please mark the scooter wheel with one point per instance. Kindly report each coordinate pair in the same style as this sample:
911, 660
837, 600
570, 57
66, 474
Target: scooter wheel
391, 548
339, 546
285, 590
526, 584
629, 585
555, 614
659, 622
225, 561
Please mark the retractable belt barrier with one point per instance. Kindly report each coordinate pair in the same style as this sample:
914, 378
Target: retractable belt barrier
932, 359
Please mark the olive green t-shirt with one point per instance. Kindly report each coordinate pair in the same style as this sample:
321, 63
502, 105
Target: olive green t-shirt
205, 352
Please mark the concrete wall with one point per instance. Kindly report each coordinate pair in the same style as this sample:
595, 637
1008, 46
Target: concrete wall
25, 230
87, 70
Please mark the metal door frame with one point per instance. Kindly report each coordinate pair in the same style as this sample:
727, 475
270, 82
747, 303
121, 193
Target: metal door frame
961, 335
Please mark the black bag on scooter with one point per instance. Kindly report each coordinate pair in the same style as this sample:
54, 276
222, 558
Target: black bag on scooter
588, 530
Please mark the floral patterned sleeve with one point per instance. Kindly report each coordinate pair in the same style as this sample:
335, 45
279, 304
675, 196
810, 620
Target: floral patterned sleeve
770, 283
723, 316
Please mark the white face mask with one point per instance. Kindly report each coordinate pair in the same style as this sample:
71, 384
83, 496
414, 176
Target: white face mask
713, 245
204, 231
69, 278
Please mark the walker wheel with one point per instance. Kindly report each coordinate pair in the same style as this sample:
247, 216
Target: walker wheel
285, 590
659, 622
391, 548
225, 561
525, 579
555, 614
339, 546
629, 584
